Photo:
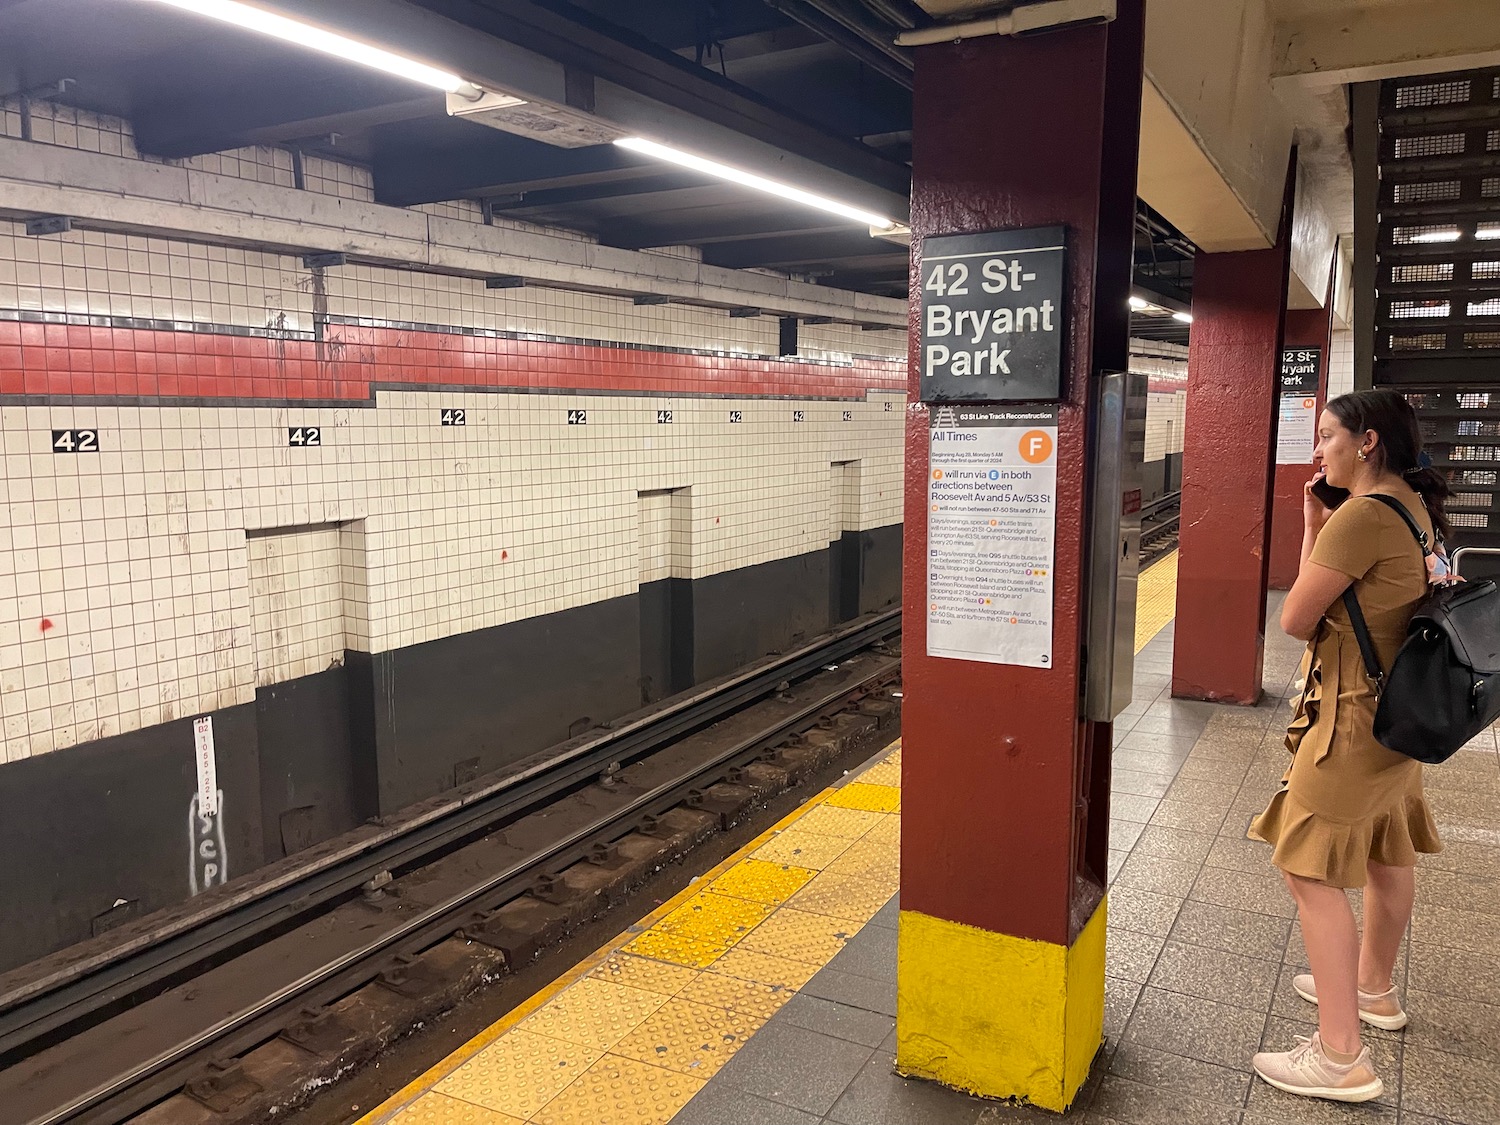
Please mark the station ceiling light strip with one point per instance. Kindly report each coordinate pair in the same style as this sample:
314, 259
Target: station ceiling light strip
751, 180
266, 22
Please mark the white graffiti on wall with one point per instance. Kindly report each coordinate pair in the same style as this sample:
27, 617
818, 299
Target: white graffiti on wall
208, 865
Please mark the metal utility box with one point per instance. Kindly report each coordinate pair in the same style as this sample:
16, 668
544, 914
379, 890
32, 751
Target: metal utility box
1114, 530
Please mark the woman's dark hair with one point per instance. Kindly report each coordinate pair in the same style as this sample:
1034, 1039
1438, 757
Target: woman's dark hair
1400, 448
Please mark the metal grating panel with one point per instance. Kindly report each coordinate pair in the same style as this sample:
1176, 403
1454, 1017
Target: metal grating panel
1436, 144
1444, 191
1427, 271
1428, 342
1412, 310
1425, 235
1461, 432
1437, 278
1424, 94
1436, 193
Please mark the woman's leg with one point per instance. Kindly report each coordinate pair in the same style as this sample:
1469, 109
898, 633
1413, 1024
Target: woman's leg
1388, 900
1332, 941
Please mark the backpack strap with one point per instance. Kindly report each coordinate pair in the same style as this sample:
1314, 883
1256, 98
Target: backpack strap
1351, 602
1366, 645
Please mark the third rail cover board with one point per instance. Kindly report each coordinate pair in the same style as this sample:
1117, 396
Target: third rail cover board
991, 521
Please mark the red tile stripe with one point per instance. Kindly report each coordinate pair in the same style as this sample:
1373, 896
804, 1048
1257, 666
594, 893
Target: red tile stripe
83, 361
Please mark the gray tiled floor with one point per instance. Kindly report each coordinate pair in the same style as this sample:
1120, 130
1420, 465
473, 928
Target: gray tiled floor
1203, 944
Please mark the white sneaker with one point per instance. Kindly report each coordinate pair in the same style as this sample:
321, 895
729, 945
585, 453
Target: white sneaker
1378, 1009
1307, 1071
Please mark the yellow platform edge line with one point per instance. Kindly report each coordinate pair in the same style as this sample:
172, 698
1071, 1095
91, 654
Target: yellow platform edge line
1155, 599
403, 1098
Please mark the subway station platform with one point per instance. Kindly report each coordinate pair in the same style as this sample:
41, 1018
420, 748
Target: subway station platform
765, 994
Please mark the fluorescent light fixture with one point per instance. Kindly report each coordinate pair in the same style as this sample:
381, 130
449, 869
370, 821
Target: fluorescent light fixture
751, 180
253, 18
1436, 236
1137, 303
1183, 318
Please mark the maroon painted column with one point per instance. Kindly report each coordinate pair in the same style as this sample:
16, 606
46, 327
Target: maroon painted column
1305, 328
1228, 458
1004, 784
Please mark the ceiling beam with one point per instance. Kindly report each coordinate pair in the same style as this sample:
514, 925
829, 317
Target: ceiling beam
271, 114
851, 242
708, 233
1362, 43
493, 163
527, 49
573, 194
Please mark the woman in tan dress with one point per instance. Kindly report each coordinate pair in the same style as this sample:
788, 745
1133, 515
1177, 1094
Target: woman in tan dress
1351, 813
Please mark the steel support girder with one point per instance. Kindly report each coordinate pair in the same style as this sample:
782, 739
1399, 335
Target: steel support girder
794, 250
523, 48
706, 232
235, 116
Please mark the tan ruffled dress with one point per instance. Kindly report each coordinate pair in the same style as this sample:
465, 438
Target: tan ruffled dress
1346, 800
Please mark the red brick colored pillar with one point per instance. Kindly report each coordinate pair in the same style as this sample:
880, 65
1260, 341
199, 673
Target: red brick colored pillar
1005, 786
1239, 302
1305, 328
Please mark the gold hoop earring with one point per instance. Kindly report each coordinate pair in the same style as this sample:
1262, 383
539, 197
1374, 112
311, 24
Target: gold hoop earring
1361, 455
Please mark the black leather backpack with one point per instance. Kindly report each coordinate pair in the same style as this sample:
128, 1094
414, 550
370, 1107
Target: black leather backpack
1444, 685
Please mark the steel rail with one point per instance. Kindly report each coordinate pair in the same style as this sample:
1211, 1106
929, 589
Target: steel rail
359, 965
67, 999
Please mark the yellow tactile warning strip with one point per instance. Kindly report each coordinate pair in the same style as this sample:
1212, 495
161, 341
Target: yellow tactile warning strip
629, 1035
632, 1033
1155, 599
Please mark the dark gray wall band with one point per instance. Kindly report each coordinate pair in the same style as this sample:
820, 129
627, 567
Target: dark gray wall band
107, 821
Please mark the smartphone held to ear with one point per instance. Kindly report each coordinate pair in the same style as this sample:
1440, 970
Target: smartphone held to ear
1329, 496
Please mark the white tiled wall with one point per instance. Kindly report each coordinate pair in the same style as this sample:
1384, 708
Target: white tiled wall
1341, 364
107, 274
334, 177
1166, 405
94, 273
136, 556
297, 593
129, 594
1166, 412
844, 509
666, 533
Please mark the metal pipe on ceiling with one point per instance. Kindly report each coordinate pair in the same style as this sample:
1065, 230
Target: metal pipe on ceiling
1048, 15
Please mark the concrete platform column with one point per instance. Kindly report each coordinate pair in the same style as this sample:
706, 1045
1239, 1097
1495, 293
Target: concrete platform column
1228, 458
1000, 985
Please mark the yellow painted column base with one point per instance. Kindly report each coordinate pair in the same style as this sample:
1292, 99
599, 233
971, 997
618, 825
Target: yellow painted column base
996, 1015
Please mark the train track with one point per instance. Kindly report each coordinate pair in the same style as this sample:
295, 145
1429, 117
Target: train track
199, 1011
1159, 520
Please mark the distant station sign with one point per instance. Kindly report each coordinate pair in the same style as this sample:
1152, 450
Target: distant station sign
992, 321
1297, 422
1300, 369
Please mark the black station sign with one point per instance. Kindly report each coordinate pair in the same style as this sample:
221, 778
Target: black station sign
992, 320
1300, 368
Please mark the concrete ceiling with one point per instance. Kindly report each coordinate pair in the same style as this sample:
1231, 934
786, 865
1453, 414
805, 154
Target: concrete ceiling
1232, 85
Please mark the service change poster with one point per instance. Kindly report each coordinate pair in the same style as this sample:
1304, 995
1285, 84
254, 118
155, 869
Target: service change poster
991, 521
